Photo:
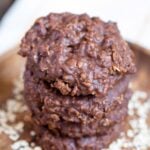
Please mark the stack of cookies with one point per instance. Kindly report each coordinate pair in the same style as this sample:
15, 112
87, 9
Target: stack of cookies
76, 81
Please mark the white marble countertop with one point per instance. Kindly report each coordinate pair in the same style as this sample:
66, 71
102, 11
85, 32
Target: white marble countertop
132, 16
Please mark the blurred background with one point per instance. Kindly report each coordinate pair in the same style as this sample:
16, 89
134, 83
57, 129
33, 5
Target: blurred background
132, 16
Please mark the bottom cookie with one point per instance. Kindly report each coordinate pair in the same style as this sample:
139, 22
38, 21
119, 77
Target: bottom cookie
50, 141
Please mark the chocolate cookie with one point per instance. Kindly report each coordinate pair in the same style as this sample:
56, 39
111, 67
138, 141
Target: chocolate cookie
76, 54
99, 127
76, 116
76, 81
49, 141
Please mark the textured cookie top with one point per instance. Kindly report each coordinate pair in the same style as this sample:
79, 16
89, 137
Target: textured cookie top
76, 54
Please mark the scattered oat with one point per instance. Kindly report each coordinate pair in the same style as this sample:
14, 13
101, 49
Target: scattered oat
138, 137
8, 124
32, 144
21, 145
32, 133
37, 148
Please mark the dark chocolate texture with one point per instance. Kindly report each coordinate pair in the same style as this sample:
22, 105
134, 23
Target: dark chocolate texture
50, 141
76, 54
76, 116
76, 81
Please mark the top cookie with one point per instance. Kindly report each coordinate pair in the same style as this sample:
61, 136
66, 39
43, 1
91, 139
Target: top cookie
77, 54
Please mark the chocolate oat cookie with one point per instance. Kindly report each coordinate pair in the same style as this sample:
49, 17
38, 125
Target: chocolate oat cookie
85, 105
50, 141
77, 116
76, 81
76, 54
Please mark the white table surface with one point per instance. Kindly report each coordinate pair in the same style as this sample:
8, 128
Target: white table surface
132, 16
